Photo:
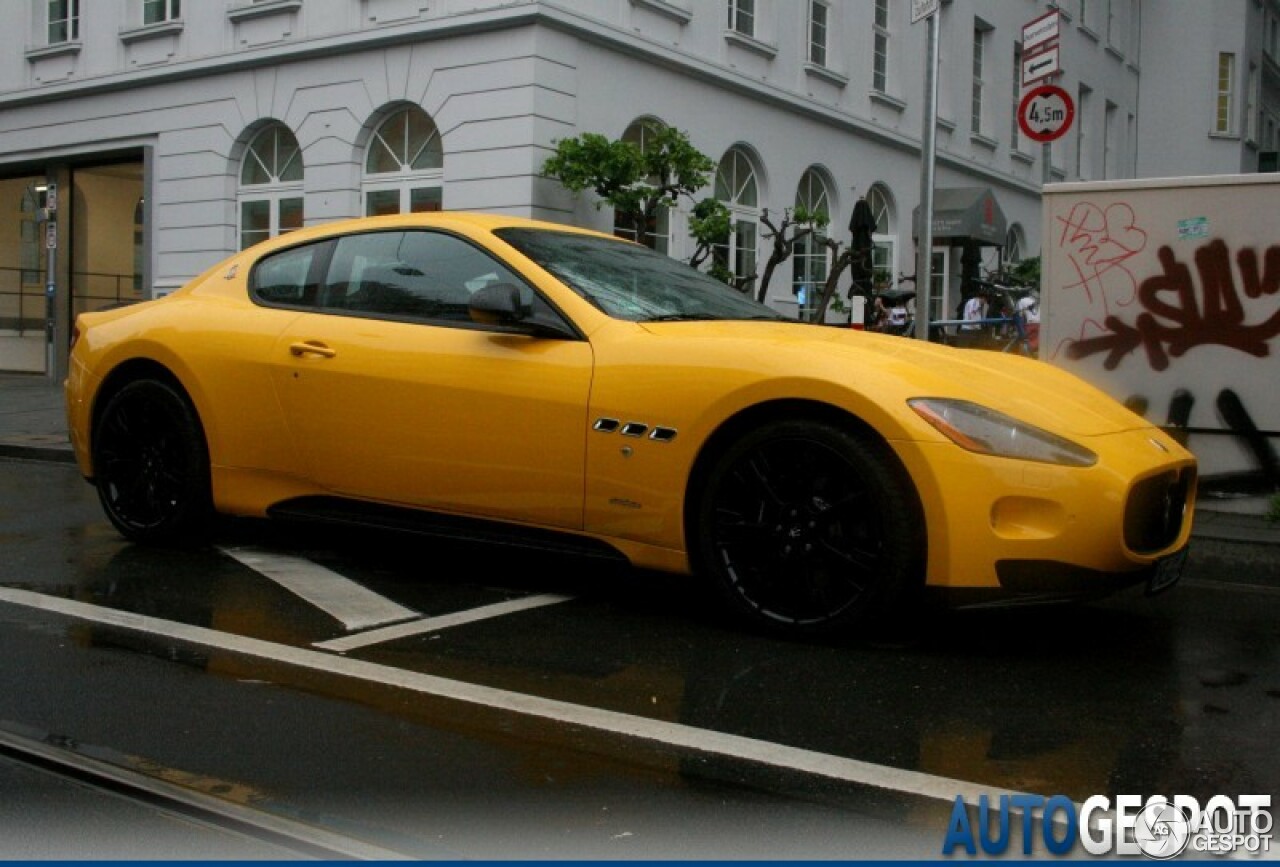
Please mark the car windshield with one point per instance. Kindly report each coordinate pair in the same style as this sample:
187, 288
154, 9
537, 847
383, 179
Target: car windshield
631, 282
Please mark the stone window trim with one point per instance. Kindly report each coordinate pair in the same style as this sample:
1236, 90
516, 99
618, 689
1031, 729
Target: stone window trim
57, 49
887, 101
151, 31
262, 9
666, 9
825, 72
751, 44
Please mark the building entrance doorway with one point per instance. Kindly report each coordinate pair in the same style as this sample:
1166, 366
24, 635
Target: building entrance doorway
100, 254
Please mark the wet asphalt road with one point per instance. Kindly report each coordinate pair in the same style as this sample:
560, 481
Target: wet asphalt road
1177, 694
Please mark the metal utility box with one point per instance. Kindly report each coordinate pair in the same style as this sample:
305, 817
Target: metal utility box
1166, 294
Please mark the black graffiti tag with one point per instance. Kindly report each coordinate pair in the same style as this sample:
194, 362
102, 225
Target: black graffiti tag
1175, 320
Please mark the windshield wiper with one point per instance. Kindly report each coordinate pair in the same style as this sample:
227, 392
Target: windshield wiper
680, 317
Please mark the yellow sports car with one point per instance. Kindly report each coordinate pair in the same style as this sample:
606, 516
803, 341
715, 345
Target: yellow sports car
544, 385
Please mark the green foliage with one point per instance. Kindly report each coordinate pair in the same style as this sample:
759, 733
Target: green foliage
1026, 272
1273, 513
709, 225
635, 182
803, 217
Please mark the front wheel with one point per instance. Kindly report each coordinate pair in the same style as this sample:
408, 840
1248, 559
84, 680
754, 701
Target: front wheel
808, 530
151, 464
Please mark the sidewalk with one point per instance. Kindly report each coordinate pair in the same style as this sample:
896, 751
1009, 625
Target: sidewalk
33, 425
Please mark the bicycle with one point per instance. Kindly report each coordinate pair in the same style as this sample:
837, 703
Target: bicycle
897, 320
1007, 332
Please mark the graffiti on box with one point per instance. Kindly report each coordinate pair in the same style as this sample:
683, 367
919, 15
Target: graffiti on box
1129, 316
1169, 312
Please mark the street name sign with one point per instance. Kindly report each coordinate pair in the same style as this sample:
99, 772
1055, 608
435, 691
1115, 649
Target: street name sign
1040, 31
921, 9
1045, 113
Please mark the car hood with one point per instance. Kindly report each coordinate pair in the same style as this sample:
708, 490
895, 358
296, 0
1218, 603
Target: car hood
1033, 391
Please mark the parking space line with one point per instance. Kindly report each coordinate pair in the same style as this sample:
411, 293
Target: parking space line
352, 605
434, 624
659, 731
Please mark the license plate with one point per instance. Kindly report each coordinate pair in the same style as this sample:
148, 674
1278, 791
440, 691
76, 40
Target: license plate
1167, 573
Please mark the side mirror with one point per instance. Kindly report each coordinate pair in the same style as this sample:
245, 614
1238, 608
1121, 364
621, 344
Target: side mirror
496, 304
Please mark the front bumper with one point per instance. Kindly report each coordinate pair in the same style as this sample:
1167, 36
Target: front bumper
1036, 531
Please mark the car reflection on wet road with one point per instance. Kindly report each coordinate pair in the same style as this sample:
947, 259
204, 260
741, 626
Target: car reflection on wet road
525, 705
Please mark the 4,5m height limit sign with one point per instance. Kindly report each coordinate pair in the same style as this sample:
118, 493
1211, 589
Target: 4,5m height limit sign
1045, 113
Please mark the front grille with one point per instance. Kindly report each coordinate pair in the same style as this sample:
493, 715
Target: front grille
1156, 509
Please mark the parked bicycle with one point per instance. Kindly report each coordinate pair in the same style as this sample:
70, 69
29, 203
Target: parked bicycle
1006, 327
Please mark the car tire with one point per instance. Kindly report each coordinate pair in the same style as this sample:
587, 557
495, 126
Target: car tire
151, 465
809, 530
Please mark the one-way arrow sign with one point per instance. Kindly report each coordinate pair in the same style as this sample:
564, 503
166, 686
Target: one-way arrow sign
1041, 65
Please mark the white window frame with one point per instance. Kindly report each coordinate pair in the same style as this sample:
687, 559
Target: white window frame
881, 42
406, 180
744, 216
884, 239
277, 192
637, 131
68, 21
1110, 155
981, 36
168, 10
1083, 133
1251, 111
819, 32
811, 259
1224, 94
1015, 128
742, 17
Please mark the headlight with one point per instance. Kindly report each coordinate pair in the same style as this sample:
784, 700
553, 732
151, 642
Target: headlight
988, 432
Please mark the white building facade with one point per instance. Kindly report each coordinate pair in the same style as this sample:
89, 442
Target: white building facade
178, 131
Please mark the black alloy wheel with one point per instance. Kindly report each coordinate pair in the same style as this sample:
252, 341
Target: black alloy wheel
151, 464
809, 530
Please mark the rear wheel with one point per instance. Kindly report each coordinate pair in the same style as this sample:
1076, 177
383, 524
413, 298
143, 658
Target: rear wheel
807, 529
151, 464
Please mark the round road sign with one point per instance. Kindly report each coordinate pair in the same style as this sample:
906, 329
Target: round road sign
1046, 112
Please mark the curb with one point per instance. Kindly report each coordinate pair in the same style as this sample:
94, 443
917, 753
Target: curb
27, 452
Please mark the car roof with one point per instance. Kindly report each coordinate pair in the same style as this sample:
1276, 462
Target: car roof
462, 221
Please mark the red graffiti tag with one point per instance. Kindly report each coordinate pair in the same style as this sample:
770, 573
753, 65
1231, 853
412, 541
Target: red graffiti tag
1174, 319
1098, 242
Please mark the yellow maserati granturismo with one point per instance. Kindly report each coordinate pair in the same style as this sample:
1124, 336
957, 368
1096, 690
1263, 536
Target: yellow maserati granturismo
538, 384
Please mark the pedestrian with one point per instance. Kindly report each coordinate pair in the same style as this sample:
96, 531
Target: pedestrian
975, 310
1028, 309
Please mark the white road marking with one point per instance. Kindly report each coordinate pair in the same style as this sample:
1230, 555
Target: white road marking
444, 621
613, 722
352, 605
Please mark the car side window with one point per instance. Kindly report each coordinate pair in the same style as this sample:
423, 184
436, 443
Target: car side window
286, 277
412, 274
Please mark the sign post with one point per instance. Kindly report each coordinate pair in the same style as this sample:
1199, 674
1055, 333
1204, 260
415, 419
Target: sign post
50, 287
1041, 62
924, 250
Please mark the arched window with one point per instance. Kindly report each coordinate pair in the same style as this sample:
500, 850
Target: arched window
270, 194
404, 165
737, 187
809, 254
659, 231
884, 249
1013, 244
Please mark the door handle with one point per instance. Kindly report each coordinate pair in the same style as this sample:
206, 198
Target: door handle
312, 347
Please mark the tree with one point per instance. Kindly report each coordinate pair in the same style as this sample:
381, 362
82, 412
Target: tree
636, 181
841, 258
801, 223
710, 224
